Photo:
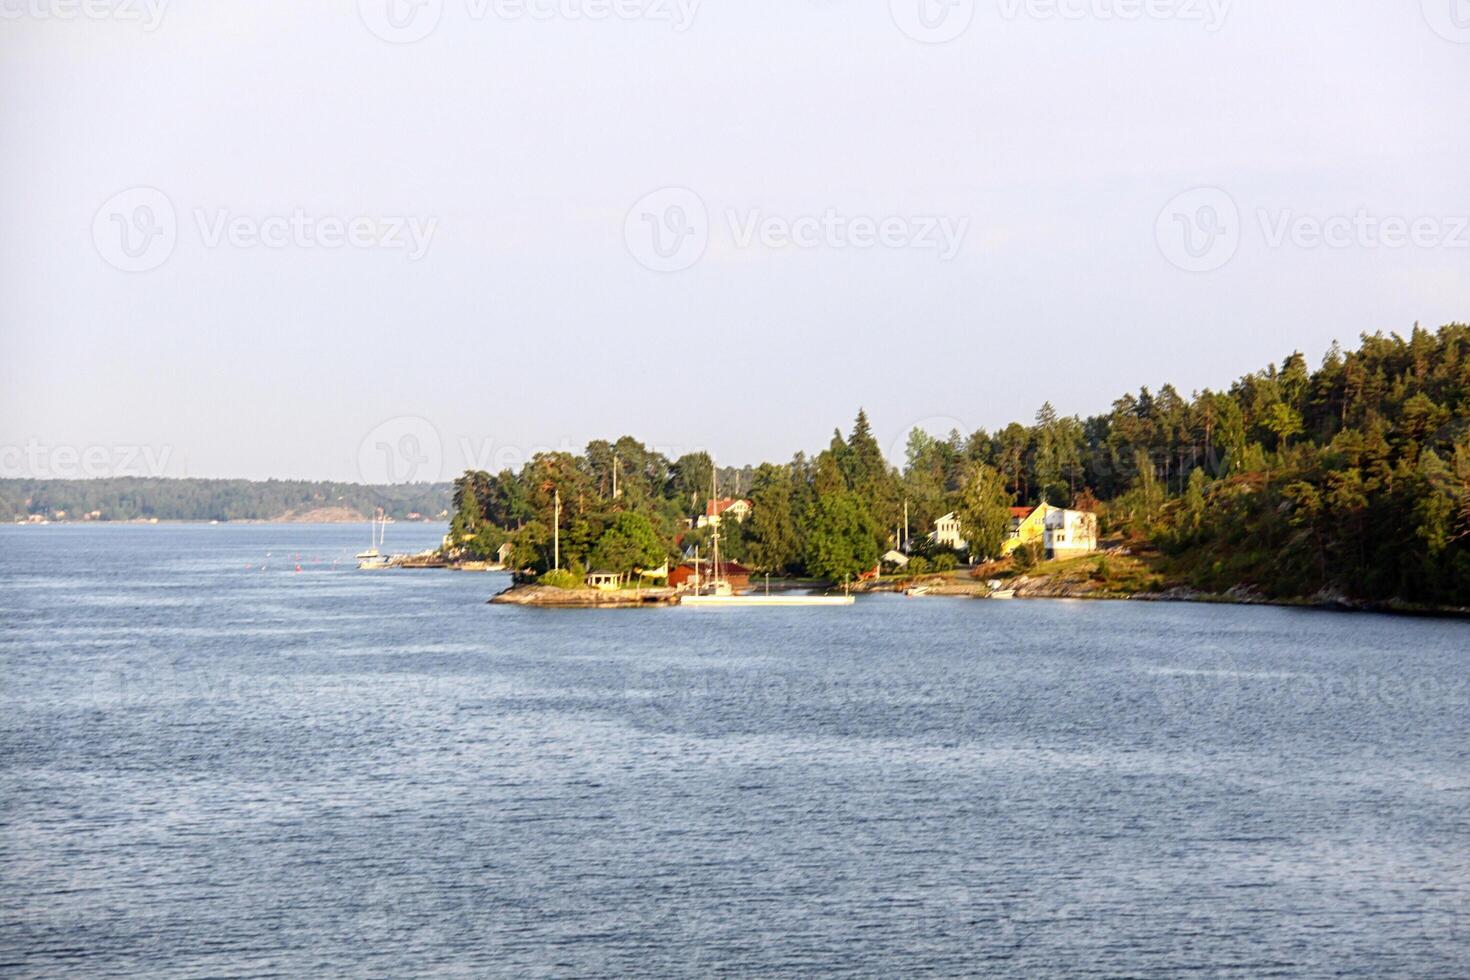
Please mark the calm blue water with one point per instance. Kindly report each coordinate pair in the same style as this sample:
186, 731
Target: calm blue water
208, 768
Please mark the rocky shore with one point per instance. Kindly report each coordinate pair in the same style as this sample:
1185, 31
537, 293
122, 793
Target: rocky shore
1065, 587
550, 596
1124, 579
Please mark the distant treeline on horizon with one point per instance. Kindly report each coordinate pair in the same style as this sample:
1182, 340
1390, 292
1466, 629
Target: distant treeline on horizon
128, 498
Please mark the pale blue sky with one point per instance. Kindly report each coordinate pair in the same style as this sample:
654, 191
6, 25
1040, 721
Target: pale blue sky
519, 145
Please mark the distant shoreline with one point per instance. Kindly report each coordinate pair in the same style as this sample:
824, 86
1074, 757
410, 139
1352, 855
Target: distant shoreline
149, 522
127, 500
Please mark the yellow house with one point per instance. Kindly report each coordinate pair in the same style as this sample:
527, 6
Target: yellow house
1028, 525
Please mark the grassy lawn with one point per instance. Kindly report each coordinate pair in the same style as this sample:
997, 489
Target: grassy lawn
1111, 573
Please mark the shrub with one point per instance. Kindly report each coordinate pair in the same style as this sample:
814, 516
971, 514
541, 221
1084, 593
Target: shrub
561, 578
945, 562
1028, 555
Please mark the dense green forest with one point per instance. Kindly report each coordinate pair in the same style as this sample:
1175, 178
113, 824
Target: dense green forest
131, 498
1351, 478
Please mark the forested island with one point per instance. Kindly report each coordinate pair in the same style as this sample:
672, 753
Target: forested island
1351, 480
144, 498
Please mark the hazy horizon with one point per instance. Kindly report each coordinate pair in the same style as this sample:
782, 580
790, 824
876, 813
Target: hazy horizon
409, 460
263, 241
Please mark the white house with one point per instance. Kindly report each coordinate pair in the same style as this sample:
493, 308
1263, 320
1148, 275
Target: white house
717, 510
1070, 533
947, 533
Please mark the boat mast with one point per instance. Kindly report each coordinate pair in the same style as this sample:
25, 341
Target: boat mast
714, 523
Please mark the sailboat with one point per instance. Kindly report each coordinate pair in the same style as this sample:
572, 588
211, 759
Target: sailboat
721, 601
720, 595
373, 557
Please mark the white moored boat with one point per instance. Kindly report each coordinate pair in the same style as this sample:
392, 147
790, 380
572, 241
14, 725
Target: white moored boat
718, 601
374, 557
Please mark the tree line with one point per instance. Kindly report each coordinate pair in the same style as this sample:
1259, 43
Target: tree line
1353, 477
134, 498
